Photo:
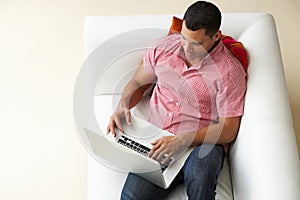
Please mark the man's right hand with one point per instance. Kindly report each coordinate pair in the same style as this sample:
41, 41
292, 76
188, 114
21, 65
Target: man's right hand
115, 120
132, 94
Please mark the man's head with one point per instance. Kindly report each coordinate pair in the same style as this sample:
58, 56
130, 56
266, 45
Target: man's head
200, 30
203, 15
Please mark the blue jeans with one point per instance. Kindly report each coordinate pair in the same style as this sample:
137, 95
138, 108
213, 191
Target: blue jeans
199, 175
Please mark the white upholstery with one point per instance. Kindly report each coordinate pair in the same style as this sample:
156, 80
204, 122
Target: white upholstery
263, 160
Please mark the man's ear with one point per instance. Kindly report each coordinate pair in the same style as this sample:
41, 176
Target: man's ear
217, 36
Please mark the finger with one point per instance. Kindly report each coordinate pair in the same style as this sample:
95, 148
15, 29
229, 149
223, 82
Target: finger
113, 131
151, 153
108, 129
154, 142
119, 124
128, 117
162, 154
111, 126
167, 159
156, 153
154, 148
161, 139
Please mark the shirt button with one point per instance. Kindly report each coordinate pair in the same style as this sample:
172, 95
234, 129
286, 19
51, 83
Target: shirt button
181, 77
170, 114
177, 104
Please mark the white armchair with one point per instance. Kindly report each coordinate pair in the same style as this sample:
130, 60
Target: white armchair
263, 162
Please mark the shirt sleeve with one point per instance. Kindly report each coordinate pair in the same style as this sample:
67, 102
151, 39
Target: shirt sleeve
155, 52
231, 96
149, 61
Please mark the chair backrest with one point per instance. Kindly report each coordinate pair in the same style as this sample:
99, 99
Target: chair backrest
120, 42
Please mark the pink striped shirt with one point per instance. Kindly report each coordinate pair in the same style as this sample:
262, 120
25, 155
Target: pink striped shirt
187, 99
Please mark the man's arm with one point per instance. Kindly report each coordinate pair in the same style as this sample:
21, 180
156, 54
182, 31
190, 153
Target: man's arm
131, 95
222, 133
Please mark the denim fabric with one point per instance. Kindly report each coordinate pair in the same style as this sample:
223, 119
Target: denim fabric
199, 175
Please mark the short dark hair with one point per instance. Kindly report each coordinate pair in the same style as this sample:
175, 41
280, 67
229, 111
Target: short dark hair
202, 14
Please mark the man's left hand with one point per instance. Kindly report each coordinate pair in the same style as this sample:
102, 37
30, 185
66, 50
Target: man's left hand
167, 147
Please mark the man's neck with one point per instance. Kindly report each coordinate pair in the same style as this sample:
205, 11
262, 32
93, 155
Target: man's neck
190, 63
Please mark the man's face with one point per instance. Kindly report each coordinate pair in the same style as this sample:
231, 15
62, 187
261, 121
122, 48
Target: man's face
196, 44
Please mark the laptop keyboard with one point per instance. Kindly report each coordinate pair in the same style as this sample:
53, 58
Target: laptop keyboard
125, 141
134, 145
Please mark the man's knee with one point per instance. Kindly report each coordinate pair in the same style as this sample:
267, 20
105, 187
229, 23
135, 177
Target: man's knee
137, 188
202, 169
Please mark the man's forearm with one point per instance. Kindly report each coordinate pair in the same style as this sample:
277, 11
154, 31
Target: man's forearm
132, 94
221, 133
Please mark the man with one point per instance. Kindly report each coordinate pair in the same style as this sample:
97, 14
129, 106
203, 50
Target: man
198, 96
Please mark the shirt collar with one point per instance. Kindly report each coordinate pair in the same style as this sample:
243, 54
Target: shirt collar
209, 57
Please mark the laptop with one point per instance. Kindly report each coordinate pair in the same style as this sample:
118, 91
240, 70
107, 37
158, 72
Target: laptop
129, 151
